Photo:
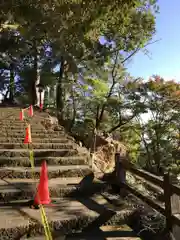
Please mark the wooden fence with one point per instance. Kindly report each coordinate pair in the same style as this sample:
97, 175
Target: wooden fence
162, 182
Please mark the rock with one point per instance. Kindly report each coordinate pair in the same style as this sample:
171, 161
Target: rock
50, 123
104, 156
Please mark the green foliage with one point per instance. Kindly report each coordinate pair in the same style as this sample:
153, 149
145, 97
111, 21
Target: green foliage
71, 30
161, 128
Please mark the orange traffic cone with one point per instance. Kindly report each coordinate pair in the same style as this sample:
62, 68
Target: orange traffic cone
21, 117
31, 111
28, 135
42, 195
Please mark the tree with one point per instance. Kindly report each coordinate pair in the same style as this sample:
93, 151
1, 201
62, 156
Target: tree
11, 50
72, 30
160, 99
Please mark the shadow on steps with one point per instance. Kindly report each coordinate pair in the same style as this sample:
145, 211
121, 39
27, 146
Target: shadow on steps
86, 187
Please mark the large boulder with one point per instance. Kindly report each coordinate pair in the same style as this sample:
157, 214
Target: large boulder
104, 155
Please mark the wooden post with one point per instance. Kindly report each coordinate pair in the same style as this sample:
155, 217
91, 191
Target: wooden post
167, 199
93, 148
119, 169
175, 203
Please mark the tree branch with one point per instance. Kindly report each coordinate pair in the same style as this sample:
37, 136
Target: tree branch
110, 91
138, 49
120, 124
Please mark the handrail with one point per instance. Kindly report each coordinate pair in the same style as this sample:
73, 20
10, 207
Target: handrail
163, 182
153, 179
148, 176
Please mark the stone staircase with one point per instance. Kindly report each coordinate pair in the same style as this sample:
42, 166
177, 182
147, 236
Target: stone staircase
77, 202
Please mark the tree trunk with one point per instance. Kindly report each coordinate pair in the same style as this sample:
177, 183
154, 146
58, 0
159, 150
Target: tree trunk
59, 94
36, 78
148, 163
158, 155
73, 109
46, 98
11, 84
113, 74
97, 117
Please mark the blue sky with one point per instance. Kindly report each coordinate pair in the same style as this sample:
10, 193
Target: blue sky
165, 54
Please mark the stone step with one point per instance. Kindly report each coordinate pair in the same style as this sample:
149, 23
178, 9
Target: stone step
16, 117
19, 125
4, 140
37, 145
36, 131
53, 171
118, 232
22, 129
33, 135
16, 114
9, 113
16, 110
35, 128
25, 162
24, 189
17, 122
65, 216
39, 152
19, 221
